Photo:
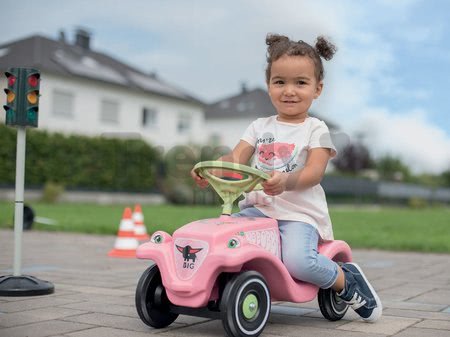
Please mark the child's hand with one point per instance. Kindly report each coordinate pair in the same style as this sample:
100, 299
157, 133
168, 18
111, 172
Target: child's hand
276, 184
201, 182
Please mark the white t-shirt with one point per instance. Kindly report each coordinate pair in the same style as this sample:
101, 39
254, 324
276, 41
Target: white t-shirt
284, 147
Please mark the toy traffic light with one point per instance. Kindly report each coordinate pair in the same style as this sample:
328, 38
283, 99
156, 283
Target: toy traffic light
22, 97
22, 106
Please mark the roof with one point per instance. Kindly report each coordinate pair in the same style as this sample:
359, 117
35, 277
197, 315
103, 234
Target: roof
66, 59
247, 104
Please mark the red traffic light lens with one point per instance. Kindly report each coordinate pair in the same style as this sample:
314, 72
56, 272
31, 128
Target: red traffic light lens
33, 80
11, 80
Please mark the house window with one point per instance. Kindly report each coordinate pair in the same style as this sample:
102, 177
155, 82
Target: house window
245, 106
63, 103
224, 104
184, 122
149, 117
242, 106
109, 112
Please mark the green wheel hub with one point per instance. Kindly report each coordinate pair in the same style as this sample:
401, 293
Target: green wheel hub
250, 306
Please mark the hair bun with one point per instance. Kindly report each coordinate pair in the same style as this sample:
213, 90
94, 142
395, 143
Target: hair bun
325, 48
272, 39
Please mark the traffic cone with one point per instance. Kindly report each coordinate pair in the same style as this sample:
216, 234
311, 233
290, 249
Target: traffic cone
140, 231
126, 242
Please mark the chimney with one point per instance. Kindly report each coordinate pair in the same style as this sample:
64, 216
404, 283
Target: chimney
62, 36
83, 39
243, 87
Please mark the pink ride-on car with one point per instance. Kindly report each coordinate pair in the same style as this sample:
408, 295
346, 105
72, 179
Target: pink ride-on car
226, 268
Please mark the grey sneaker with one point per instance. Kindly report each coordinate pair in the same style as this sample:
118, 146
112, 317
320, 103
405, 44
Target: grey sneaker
359, 293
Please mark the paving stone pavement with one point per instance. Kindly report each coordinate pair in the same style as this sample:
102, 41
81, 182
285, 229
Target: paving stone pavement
94, 295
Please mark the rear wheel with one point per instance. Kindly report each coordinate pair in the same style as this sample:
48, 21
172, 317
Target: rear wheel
245, 304
152, 303
331, 305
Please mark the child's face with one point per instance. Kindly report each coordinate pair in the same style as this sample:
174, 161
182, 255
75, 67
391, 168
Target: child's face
292, 87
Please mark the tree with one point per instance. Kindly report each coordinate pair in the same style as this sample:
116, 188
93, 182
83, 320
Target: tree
353, 158
392, 168
445, 178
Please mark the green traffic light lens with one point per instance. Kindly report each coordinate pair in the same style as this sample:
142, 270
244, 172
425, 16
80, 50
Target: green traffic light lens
31, 115
10, 116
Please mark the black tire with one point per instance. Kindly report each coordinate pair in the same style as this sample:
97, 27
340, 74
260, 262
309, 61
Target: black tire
152, 303
245, 305
28, 217
331, 306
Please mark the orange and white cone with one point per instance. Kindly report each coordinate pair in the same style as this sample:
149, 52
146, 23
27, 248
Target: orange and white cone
126, 242
140, 231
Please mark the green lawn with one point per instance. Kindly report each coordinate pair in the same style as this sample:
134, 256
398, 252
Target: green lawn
425, 230
105, 219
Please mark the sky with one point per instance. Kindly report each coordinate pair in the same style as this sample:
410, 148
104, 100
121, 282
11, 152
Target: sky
387, 86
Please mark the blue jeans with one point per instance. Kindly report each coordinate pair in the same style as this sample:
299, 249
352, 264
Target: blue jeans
299, 242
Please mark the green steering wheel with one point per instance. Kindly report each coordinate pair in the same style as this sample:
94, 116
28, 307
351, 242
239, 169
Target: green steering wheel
244, 179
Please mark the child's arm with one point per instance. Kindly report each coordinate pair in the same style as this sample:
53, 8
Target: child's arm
308, 176
241, 154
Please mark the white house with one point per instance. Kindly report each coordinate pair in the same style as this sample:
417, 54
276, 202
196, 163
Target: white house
90, 93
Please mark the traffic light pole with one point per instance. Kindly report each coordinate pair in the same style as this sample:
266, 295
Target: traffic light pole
20, 187
18, 284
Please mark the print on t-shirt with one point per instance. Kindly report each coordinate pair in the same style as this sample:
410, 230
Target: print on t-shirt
276, 156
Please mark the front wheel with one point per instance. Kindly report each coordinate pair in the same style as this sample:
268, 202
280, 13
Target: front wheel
245, 305
331, 305
152, 303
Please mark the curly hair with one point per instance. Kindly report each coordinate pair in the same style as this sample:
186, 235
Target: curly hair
279, 45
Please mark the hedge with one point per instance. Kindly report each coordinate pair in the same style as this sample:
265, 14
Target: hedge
79, 162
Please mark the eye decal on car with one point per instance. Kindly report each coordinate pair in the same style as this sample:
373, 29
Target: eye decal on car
233, 243
157, 238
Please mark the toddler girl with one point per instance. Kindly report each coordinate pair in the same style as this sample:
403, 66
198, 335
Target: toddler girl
295, 148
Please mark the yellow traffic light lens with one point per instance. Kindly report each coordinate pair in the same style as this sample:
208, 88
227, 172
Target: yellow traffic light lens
32, 97
10, 96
